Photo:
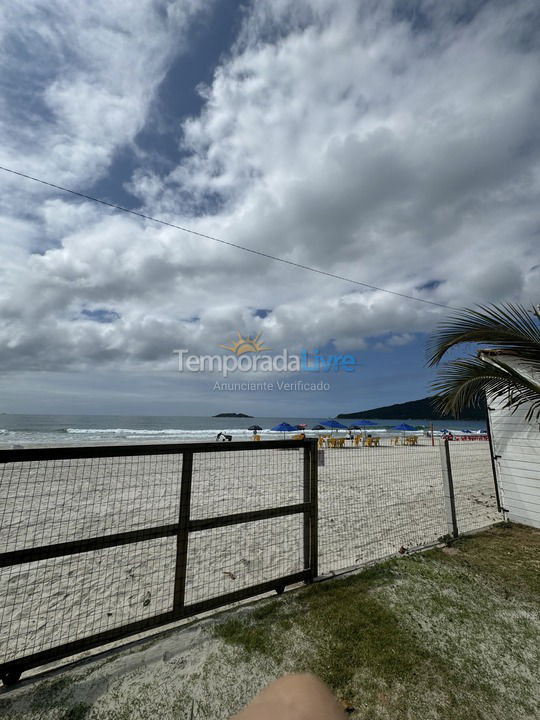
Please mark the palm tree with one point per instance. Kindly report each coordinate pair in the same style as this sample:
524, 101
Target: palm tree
508, 331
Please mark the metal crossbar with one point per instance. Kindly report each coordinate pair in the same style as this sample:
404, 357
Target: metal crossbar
31, 568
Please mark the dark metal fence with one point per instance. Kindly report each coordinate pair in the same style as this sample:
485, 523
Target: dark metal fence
98, 544
101, 543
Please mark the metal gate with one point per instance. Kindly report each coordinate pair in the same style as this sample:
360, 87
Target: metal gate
100, 543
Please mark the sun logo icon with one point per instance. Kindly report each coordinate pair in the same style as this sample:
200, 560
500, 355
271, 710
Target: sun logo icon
246, 345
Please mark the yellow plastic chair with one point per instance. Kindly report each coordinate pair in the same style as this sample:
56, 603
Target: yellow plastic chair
320, 443
341, 442
256, 438
357, 440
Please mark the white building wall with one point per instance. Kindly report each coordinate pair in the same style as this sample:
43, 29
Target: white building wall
516, 445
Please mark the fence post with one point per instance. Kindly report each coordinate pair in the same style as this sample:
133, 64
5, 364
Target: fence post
314, 505
307, 499
493, 458
183, 532
448, 486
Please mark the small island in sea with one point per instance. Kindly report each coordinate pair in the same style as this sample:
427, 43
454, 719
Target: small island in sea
236, 415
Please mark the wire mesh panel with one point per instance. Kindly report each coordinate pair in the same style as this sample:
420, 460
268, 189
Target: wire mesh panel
226, 559
474, 488
100, 543
57, 600
374, 501
61, 500
243, 481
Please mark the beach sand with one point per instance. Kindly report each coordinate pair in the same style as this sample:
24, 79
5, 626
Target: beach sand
373, 502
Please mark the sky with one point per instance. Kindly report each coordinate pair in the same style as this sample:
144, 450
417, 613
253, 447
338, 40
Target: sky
393, 143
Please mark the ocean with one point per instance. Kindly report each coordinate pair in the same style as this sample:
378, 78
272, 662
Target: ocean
64, 430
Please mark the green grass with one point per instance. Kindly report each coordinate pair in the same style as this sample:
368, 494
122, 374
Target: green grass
450, 633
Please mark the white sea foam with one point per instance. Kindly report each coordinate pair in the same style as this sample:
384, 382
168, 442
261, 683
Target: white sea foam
148, 433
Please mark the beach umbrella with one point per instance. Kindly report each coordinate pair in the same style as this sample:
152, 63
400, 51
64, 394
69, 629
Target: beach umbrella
302, 426
404, 427
318, 427
334, 424
365, 423
466, 431
255, 427
284, 427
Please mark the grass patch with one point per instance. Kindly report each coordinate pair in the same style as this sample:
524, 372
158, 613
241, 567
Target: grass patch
48, 694
421, 637
507, 557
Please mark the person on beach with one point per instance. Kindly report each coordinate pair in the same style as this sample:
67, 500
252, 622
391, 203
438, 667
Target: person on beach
293, 697
221, 436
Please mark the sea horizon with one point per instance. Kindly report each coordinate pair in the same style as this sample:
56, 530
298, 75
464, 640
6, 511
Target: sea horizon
40, 429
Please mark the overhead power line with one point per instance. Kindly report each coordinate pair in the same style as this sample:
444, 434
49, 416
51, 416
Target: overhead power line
120, 208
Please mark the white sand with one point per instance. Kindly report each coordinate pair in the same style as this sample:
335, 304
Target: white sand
372, 502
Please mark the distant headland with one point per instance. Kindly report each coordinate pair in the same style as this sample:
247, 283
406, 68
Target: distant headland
415, 410
237, 415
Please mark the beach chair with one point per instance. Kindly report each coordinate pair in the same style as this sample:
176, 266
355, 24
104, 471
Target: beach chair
375, 442
256, 438
395, 440
357, 440
341, 442
368, 442
320, 443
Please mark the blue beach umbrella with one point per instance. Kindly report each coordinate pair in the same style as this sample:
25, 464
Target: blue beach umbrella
284, 427
334, 424
365, 423
404, 427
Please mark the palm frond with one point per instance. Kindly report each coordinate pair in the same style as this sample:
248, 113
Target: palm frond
466, 382
510, 327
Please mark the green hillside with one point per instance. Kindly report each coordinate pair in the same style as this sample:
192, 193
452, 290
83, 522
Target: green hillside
415, 410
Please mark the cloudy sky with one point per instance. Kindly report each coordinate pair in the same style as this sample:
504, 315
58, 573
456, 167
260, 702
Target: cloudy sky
394, 143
